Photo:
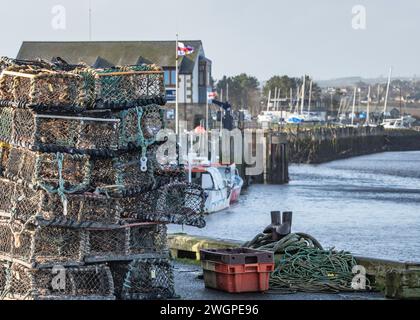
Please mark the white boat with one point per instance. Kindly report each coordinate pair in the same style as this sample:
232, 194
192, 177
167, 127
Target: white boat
400, 123
234, 181
222, 185
266, 117
311, 117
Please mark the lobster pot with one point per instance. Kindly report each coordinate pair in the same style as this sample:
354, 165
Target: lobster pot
63, 87
76, 173
143, 279
126, 242
6, 62
46, 88
48, 170
103, 134
6, 124
57, 283
24, 127
41, 246
123, 176
140, 125
178, 203
44, 246
125, 87
77, 209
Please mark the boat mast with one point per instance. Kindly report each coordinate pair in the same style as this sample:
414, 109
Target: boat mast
354, 106
269, 100
90, 20
400, 102
310, 97
278, 100
387, 90
368, 108
275, 97
297, 100
291, 99
302, 104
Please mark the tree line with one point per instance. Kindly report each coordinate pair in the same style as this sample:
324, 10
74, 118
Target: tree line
246, 92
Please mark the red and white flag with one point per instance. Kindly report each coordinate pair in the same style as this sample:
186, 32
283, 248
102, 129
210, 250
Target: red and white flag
211, 95
184, 50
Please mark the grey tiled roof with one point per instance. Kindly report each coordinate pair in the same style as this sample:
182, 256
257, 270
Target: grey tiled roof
106, 53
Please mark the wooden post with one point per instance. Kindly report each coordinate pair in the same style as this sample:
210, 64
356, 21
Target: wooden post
277, 165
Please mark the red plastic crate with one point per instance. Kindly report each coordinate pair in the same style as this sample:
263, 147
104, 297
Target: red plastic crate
237, 278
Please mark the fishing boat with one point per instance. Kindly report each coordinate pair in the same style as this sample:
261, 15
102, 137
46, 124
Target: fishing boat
234, 180
222, 184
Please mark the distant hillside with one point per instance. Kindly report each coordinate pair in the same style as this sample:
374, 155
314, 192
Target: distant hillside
350, 81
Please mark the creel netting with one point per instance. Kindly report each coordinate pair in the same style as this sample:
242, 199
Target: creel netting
50, 87
102, 136
46, 245
65, 173
80, 283
144, 279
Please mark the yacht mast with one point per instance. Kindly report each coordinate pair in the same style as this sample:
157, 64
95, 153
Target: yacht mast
368, 108
274, 98
354, 106
303, 95
291, 100
310, 97
387, 90
269, 100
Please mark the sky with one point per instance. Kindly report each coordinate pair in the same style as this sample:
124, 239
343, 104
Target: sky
322, 38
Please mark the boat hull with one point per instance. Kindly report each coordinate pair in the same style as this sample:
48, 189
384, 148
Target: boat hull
234, 197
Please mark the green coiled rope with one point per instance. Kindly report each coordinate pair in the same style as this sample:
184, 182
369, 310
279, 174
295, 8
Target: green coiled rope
302, 265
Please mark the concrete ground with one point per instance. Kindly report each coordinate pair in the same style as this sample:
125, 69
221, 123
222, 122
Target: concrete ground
189, 287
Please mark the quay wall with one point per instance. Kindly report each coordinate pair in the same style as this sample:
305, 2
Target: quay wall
324, 144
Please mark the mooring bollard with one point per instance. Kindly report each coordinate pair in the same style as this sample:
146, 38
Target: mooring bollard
281, 224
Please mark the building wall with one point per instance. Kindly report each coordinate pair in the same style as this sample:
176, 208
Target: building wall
188, 88
191, 112
195, 80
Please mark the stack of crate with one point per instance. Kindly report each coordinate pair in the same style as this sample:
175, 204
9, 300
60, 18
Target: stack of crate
84, 202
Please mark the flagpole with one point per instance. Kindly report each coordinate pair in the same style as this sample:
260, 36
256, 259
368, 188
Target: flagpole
207, 112
90, 20
176, 90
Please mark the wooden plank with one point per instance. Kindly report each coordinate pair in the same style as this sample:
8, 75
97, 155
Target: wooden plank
193, 244
19, 74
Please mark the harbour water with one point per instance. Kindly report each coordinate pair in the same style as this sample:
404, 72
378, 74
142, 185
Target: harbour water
367, 205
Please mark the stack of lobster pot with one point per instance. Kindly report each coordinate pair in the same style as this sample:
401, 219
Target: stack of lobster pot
84, 202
